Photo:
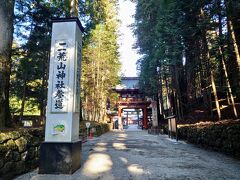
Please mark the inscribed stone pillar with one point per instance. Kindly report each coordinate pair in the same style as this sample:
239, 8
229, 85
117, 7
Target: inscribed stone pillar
154, 114
60, 152
62, 121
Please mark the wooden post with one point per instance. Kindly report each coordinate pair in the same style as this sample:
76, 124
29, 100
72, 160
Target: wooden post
138, 116
119, 111
145, 125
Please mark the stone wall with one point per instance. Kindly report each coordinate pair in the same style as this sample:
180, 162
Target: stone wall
222, 136
19, 151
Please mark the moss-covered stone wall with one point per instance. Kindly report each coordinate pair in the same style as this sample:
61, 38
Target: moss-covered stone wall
222, 136
19, 151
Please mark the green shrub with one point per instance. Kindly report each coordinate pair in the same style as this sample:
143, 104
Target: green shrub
224, 137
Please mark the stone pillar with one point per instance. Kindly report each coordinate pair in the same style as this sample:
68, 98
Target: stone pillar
154, 114
61, 150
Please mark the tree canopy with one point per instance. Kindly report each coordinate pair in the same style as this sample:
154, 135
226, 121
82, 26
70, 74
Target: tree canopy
30, 54
190, 55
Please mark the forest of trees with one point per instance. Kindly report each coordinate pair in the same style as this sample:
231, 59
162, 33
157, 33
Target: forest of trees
24, 64
191, 61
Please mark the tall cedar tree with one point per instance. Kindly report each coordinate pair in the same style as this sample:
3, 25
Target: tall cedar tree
180, 65
100, 65
6, 36
33, 16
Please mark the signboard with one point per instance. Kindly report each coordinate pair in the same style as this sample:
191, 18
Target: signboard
58, 128
172, 126
60, 77
88, 124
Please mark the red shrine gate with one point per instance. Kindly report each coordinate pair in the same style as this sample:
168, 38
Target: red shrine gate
130, 97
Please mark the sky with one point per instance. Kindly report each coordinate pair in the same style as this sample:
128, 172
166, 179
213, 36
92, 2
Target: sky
128, 55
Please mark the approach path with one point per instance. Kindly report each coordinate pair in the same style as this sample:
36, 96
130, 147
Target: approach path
137, 155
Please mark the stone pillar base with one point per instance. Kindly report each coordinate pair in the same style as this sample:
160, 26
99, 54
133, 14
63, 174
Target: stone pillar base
60, 157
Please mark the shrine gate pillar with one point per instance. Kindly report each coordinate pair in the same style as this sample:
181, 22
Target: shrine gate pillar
120, 125
119, 111
145, 120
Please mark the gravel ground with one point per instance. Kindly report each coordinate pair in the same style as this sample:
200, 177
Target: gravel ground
133, 154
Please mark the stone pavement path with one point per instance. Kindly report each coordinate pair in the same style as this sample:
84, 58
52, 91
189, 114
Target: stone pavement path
137, 155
